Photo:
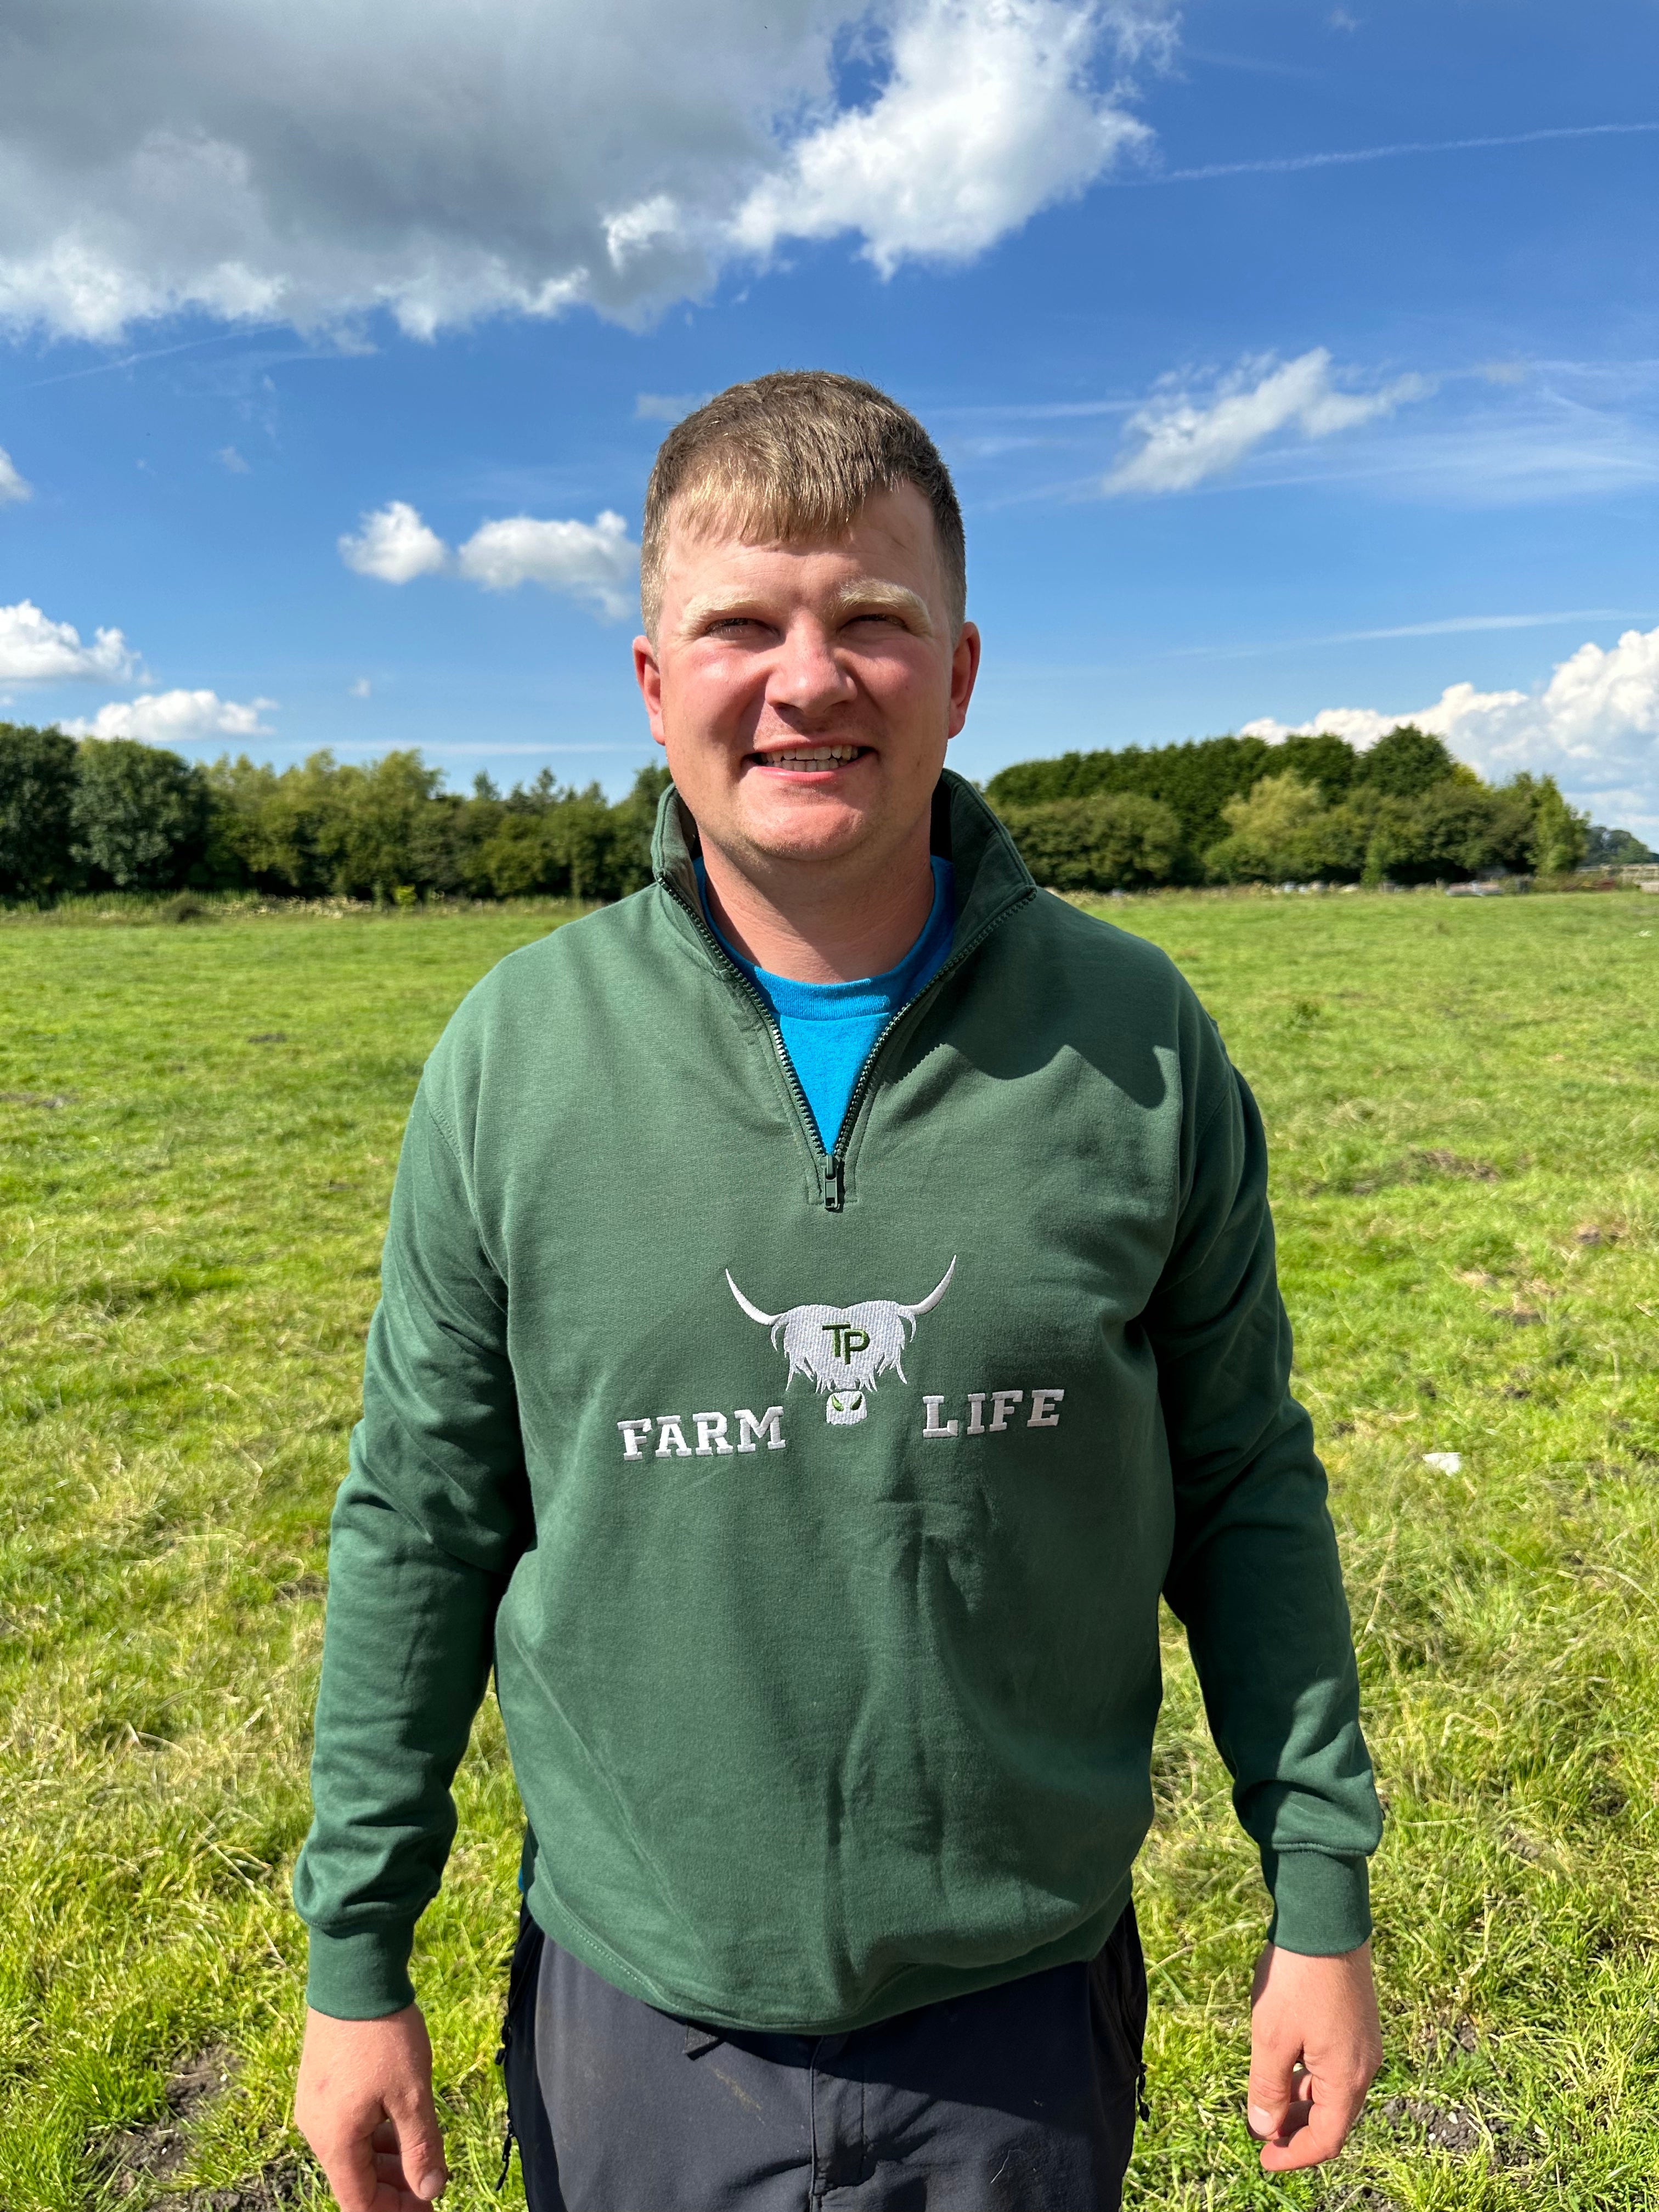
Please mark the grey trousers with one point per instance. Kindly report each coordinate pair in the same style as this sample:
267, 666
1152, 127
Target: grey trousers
1021, 2097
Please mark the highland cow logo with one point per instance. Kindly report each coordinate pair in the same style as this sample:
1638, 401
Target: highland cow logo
844, 1349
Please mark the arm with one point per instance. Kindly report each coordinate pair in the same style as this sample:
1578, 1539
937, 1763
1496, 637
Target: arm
1255, 1578
428, 1524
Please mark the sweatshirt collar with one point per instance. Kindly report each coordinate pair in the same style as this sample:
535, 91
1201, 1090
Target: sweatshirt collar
991, 878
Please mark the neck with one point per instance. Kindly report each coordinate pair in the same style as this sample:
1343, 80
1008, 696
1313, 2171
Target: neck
823, 922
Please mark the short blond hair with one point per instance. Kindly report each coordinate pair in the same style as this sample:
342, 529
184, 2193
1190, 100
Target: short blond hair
791, 457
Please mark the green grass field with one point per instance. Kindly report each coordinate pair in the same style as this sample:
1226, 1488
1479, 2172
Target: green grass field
198, 1131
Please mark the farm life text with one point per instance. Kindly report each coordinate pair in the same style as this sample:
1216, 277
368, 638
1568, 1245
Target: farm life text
844, 1350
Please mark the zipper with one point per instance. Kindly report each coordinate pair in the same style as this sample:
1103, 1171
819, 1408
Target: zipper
832, 1163
507, 2132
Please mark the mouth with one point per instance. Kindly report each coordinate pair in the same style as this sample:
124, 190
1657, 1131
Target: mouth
808, 759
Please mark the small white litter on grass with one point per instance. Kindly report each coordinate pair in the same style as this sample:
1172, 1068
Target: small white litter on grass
1447, 1463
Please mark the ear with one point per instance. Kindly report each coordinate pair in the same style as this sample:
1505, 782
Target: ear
964, 674
647, 674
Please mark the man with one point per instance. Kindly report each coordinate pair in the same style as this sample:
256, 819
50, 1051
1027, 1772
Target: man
828, 1296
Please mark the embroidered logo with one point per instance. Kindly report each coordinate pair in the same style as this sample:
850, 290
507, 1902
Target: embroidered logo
845, 1349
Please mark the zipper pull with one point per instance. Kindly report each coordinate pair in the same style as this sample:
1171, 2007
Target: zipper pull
833, 1192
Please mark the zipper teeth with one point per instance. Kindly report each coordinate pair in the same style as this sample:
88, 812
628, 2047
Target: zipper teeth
832, 1157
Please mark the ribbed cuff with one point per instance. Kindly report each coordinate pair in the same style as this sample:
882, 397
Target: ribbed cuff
1322, 1902
361, 1977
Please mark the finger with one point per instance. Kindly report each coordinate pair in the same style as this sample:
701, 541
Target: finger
1277, 2085
1299, 2111
1330, 2115
349, 2169
1291, 2119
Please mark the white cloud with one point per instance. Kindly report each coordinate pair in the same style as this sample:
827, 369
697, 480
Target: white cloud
12, 486
394, 544
168, 718
316, 163
989, 113
594, 561
1593, 725
1360, 725
33, 649
360, 688
1179, 441
228, 457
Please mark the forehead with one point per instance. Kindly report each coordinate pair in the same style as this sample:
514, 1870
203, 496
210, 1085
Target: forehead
892, 536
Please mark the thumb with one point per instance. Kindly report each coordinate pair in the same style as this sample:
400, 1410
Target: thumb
419, 2142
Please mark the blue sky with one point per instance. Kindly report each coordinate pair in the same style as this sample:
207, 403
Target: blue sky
1254, 420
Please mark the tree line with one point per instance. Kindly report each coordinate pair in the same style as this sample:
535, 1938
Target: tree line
100, 813
111, 813
1239, 810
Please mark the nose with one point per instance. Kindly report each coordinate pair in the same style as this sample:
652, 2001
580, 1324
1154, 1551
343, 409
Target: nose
807, 680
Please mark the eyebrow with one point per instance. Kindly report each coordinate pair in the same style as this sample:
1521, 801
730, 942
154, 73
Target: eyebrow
872, 594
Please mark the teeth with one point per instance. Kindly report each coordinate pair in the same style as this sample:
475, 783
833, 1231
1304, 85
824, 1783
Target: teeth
813, 756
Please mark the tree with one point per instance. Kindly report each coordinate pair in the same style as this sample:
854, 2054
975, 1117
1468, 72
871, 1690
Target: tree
1614, 849
1559, 835
378, 833
263, 831
582, 837
1454, 830
1327, 761
1383, 832
37, 793
139, 816
1194, 780
517, 858
1406, 764
1103, 843
635, 823
1275, 834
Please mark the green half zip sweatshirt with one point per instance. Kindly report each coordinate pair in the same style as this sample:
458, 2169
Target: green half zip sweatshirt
813, 1509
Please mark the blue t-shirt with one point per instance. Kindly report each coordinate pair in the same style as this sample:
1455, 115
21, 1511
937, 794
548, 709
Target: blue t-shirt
828, 1028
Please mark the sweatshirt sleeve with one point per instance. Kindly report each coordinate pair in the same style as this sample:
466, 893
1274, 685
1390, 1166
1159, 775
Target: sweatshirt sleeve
428, 1524
1254, 1576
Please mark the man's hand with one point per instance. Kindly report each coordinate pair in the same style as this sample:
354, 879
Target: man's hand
363, 2102
1314, 2046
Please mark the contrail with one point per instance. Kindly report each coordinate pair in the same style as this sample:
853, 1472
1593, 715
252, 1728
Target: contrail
1282, 164
1456, 625
156, 353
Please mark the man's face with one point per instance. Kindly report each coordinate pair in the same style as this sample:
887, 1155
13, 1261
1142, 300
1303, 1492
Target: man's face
805, 693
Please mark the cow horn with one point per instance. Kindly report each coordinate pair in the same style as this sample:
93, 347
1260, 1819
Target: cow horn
766, 1320
928, 1304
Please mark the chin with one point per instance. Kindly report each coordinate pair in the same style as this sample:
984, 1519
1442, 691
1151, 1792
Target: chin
807, 833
